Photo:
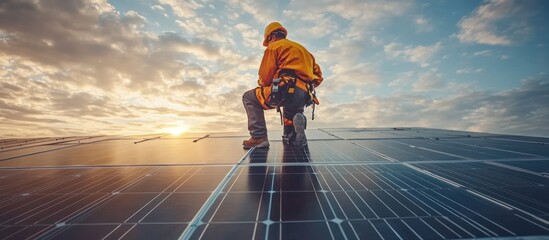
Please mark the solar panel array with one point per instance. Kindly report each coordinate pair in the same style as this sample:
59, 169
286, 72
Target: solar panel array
382, 183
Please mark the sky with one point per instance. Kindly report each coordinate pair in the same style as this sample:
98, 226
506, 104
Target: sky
90, 67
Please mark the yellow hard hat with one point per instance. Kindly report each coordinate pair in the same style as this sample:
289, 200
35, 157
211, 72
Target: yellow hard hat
270, 29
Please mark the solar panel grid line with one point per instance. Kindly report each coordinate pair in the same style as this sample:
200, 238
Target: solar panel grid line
434, 176
32, 236
45, 207
510, 207
46, 189
15, 208
503, 203
545, 227
62, 144
324, 212
539, 165
10, 197
380, 173
396, 181
433, 229
435, 151
25, 144
402, 204
37, 152
363, 201
360, 181
345, 179
392, 229
14, 140
369, 177
374, 193
454, 213
207, 222
411, 229
257, 220
89, 209
516, 173
501, 150
375, 229
438, 213
386, 174
540, 149
341, 154
444, 143
521, 141
475, 149
148, 139
439, 221
485, 225
329, 133
391, 209
479, 215
271, 192
197, 219
158, 195
374, 152
516, 168
421, 180
405, 194
340, 207
401, 178
513, 202
481, 179
49, 204
525, 202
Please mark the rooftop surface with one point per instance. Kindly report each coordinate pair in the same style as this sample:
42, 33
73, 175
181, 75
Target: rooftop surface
383, 183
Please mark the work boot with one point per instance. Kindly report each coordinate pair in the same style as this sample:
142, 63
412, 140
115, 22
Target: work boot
255, 142
289, 135
300, 123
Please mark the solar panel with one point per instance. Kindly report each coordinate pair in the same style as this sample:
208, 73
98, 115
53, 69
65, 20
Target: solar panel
379, 183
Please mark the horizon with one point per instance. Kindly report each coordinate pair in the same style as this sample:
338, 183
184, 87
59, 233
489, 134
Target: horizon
98, 67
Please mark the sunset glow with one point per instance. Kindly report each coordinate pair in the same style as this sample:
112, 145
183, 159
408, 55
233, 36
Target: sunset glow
176, 131
126, 67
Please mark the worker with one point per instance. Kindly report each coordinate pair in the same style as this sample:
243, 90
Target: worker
288, 75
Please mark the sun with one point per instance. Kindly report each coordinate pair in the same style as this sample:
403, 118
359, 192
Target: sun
178, 130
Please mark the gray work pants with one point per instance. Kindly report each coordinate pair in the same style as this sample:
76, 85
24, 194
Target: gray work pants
293, 103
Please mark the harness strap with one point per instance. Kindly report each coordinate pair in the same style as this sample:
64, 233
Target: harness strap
286, 84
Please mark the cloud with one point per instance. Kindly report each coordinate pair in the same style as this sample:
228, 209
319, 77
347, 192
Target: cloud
158, 8
522, 110
496, 22
202, 28
183, 9
83, 67
85, 63
420, 54
360, 15
360, 74
484, 53
422, 24
263, 11
469, 70
429, 81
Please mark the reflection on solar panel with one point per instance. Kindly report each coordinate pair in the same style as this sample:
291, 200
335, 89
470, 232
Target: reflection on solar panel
392, 183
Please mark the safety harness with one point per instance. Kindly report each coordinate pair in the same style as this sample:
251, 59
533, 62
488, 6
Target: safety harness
283, 86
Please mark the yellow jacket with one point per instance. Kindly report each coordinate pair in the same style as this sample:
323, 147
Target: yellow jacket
286, 54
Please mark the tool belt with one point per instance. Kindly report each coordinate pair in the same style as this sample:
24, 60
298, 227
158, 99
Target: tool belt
280, 88
284, 85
